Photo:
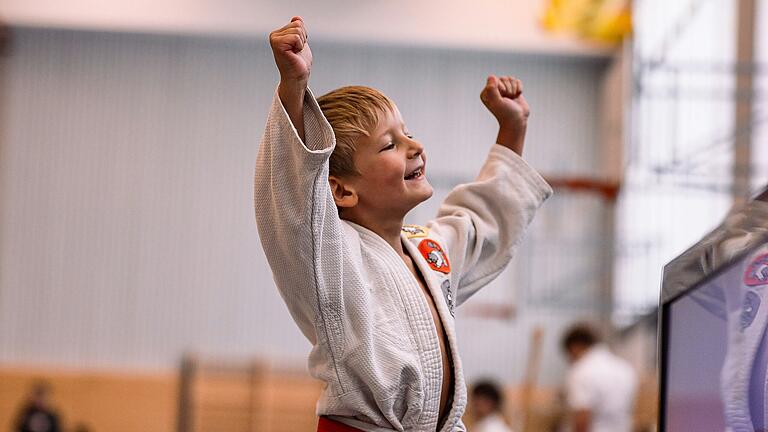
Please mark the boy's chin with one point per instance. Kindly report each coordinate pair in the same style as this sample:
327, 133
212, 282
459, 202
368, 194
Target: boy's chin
427, 194
422, 196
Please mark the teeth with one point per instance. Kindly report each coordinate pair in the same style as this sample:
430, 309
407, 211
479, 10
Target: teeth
414, 174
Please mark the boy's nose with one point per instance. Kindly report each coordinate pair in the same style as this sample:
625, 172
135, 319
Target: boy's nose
415, 149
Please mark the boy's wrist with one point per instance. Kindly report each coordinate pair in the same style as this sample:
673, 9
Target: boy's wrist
512, 138
292, 90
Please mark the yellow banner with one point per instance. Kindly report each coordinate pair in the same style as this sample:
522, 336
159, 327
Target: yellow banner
598, 20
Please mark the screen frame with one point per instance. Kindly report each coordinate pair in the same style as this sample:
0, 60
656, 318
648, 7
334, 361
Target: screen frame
687, 272
664, 323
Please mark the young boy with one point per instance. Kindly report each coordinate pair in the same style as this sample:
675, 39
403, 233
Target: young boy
335, 178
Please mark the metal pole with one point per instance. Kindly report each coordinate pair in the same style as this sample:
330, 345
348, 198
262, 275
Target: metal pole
742, 144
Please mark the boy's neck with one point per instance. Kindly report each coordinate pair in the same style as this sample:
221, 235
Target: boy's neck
388, 229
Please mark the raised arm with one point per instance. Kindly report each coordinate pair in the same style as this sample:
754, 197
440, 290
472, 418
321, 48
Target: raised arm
298, 223
482, 222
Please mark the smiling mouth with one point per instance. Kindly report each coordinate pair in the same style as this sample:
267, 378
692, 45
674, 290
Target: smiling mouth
416, 174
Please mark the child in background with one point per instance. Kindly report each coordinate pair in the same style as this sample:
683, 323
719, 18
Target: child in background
335, 177
600, 387
487, 404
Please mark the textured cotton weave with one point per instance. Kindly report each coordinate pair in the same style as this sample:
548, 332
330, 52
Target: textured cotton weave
374, 343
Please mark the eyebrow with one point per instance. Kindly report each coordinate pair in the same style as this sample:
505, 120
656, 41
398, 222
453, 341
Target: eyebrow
389, 131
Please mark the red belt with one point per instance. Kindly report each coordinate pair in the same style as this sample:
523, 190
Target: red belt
327, 425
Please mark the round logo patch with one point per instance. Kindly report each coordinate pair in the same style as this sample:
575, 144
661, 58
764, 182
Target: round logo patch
435, 256
749, 309
757, 272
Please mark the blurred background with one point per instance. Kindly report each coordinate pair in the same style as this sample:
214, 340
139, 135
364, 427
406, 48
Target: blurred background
134, 294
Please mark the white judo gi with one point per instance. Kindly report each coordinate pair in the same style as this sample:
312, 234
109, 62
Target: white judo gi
375, 345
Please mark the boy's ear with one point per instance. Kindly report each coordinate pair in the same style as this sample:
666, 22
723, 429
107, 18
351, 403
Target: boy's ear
343, 193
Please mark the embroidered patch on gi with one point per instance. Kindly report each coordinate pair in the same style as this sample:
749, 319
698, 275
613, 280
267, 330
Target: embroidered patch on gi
446, 287
749, 309
435, 256
757, 272
415, 231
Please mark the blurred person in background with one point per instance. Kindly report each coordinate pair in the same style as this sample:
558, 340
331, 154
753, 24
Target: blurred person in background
600, 387
487, 402
37, 415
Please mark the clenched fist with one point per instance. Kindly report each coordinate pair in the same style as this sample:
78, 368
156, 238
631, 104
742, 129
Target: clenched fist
503, 96
294, 61
291, 50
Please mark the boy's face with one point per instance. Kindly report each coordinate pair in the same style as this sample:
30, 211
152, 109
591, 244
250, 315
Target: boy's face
392, 166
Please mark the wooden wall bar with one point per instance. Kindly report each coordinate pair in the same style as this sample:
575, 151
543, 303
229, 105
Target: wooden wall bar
104, 401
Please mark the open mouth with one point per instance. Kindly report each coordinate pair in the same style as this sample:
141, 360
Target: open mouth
416, 174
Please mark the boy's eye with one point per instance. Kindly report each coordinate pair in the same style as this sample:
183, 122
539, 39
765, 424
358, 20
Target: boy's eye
409, 135
390, 145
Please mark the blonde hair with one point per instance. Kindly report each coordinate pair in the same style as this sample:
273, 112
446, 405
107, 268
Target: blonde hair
352, 111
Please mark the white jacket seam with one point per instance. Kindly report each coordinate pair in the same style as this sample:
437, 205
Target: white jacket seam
320, 304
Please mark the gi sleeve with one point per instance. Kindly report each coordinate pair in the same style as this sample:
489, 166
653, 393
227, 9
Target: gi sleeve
297, 220
482, 222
